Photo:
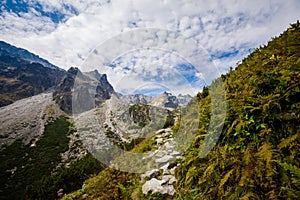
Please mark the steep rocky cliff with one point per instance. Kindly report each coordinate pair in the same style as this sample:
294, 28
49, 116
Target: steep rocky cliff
80, 91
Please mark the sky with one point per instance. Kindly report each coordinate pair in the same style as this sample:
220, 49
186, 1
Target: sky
182, 44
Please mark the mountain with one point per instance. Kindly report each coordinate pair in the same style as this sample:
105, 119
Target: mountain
19, 57
136, 99
38, 141
256, 156
78, 91
23, 74
163, 100
166, 100
183, 99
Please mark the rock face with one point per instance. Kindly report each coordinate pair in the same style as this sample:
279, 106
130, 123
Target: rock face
62, 93
140, 114
184, 99
136, 99
25, 81
78, 92
166, 100
23, 74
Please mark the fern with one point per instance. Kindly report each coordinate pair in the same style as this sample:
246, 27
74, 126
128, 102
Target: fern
286, 142
225, 178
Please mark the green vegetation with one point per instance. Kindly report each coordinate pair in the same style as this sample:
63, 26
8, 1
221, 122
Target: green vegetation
114, 184
67, 178
257, 154
140, 114
31, 164
30, 167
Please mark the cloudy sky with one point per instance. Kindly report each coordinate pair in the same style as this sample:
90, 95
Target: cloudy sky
71, 32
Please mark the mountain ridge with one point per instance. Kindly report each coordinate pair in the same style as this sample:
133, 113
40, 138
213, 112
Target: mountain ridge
9, 51
23, 74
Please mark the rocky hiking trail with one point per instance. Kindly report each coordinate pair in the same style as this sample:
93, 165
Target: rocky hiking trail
161, 180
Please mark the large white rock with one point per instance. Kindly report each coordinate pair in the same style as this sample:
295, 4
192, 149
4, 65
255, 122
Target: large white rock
169, 178
149, 174
153, 186
156, 186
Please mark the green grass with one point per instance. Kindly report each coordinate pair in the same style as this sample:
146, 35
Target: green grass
32, 163
34, 166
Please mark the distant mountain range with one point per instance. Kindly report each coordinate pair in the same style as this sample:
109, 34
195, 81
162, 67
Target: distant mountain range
24, 74
164, 100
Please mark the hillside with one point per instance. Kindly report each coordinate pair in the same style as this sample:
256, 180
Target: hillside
24, 74
257, 154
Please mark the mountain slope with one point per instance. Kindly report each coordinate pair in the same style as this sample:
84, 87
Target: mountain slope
257, 154
18, 57
23, 74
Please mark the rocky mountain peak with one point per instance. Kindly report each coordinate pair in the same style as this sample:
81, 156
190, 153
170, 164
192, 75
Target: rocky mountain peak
81, 91
73, 70
166, 100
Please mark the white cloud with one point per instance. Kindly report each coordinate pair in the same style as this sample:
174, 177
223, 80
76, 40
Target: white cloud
217, 26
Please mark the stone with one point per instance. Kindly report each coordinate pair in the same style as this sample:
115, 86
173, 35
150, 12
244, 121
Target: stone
169, 189
165, 168
153, 186
156, 186
168, 145
169, 178
175, 153
160, 131
167, 134
159, 140
160, 153
60, 192
164, 159
150, 174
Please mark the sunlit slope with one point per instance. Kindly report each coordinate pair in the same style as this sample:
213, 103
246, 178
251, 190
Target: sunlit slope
258, 153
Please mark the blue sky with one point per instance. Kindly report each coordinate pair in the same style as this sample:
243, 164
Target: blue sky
66, 32
20, 6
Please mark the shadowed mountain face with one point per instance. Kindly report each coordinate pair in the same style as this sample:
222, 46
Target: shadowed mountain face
23, 74
18, 57
81, 91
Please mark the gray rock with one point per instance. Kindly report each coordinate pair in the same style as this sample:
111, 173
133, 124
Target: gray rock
160, 131
78, 92
164, 159
165, 168
156, 186
153, 186
169, 178
150, 174
159, 140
